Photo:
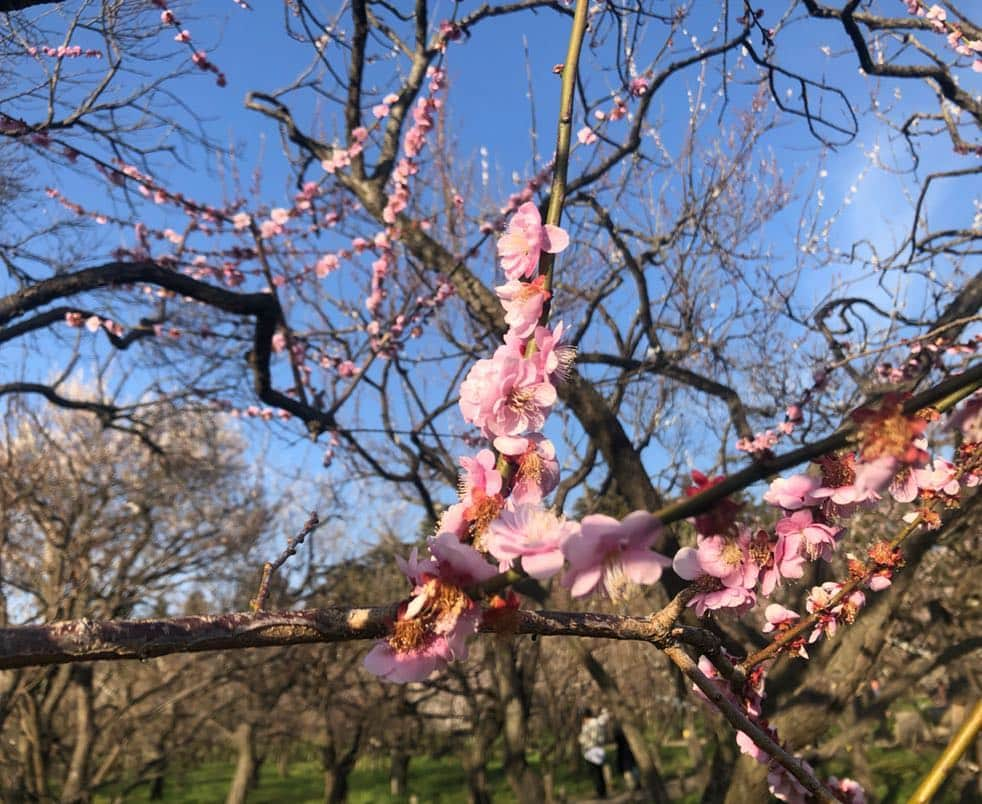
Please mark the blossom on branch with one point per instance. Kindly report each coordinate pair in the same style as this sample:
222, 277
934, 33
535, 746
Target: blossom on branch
610, 556
526, 238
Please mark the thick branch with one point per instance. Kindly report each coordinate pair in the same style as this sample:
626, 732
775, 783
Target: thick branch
86, 640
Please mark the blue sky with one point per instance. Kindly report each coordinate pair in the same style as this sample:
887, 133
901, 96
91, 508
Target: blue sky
489, 88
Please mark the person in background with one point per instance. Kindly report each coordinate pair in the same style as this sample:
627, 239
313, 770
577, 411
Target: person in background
593, 735
627, 765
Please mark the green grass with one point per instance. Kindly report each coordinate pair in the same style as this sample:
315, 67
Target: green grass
438, 781
897, 772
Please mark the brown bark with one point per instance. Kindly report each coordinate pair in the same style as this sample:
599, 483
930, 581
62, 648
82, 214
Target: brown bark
87, 640
247, 764
75, 790
338, 760
513, 709
399, 773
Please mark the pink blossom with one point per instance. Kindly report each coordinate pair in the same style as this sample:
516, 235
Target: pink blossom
533, 534
750, 748
586, 136
818, 602
431, 629
817, 539
838, 491
874, 476
552, 357
880, 580
638, 86
403, 662
326, 264
504, 395
453, 520
851, 792
712, 594
793, 492
92, 323
609, 555
479, 473
784, 560
940, 475
524, 240
785, 787
537, 473
776, 615
523, 304
903, 488
729, 560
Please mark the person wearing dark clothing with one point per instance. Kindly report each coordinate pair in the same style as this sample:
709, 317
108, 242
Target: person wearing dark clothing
627, 765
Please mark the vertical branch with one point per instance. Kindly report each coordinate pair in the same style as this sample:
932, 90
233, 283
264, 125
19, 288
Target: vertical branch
557, 192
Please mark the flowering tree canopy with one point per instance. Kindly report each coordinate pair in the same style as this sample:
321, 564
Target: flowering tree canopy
687, 330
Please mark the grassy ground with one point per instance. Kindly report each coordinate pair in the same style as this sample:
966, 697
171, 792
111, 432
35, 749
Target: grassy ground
432, 781
896, 770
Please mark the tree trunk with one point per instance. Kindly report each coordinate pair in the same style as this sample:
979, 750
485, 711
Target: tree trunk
246, 766
338, 761
475, 758
33, 756
157, 787
399, 773
335, 786
523, 780
75, 790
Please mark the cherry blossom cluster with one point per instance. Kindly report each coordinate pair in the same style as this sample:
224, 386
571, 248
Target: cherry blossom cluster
64, 52
412, 142
93, 323
500, 521
733, 563
637, 87
198, 57
923, 354
938, 18
781, 783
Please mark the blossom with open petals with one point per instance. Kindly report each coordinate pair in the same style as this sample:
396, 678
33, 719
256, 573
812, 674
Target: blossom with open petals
526, 238
610, 555
537, 470
534, 534
523, 304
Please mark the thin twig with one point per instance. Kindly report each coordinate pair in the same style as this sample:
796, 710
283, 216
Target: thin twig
292, 543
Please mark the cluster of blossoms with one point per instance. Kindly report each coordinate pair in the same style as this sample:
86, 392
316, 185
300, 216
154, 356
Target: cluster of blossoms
64, 52
637, 87
501, 519
501, 523
198, 57
412, 143
782, 784
732, 563
938, 18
